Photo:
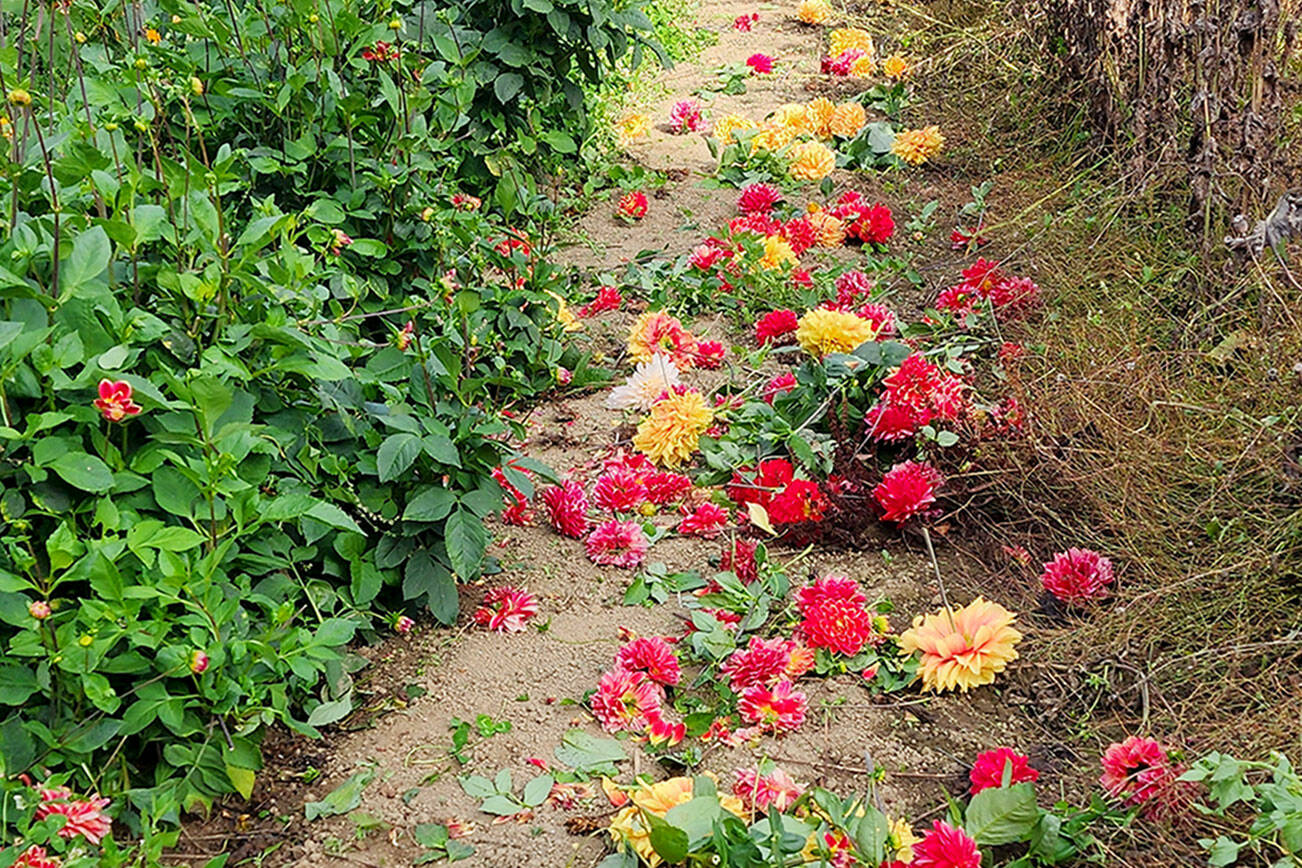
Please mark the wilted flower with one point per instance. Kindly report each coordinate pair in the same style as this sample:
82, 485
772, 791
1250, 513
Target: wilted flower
653, 656
114, 401
662, 733
84, 817
758, 791
906, 490
943, 846
744, 23
632, 206
608, 298
632, 128
709, 354
845, 39
466, 202
962, 648
624, 699
619, 490
1078, 576
617, 544
811, 161
1137, 770
916, 147
671, 432
685, 116
506, 609
824, 331
739, 557
760, 64
988, 770
383, 52
567, 508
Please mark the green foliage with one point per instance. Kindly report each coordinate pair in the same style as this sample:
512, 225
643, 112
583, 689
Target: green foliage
1271, 795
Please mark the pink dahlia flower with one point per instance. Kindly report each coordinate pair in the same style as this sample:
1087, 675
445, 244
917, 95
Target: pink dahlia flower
567, 508
625, 700
506, 609
906, 490
1078, 576
758, 791
777, 709
617, 544
653, 656
84, 817
758, 198
943, 846
988, 770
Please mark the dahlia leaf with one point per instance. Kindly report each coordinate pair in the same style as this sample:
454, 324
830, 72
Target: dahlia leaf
466, 541
537, 790
585, 752
1002, 815
871, 835
502, 806
669, 842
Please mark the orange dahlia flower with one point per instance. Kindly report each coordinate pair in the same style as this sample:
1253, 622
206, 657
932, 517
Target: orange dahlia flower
895, 66
659, 332
847, 120
818, 117
811, 161
964, 648
777, 253
915, 147
632, 128
843, 39
813, 11
828, 229
727, 127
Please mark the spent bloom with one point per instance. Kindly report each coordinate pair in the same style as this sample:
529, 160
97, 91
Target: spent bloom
777, 709
685, 116
962, 648
114, 401
1078, 576
988, 770
619, 490
567, 508
672, 430
339, 240
662, 733
943, 846
758, 790
616, 543
895, 66
906, 490
84, 817
506, 609
632, 128
624, 700
653, 656
845, 39
744, 23
649, 380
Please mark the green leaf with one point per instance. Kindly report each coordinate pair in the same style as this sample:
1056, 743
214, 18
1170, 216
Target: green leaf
477, 786
502, 806
507, 85
83, 471
330, 712
432, 504
328, 513
537, 790
396, 454
669, 842
342, 799
425, 577
466, 540
91, 253
17, 683
1001, 815
561, 142
871, 835
241, 779
17, 750
582, 751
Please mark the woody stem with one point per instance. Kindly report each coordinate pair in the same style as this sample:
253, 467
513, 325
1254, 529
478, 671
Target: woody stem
940, 581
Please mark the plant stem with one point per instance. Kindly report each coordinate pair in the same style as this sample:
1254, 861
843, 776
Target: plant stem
940, 580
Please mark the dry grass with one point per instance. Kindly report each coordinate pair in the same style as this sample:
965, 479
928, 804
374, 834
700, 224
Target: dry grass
1165, 421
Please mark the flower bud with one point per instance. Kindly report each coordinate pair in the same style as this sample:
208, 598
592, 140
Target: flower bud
39, 609
403, 625
80, 37
86, 640
395, 24
141, 63
198, 662
20, 97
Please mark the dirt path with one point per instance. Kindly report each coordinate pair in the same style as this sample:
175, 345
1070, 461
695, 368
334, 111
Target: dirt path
536, 679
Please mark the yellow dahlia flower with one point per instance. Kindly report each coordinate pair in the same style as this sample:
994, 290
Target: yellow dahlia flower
813, 11
672, 430
777, 253
564, 316
966, 651
811, 161
915, 147
902, 840
818, 117
627, 829
727, 126
792, 114
632, 128
863, 67
772, 137
843, 39
847, 120
823, 331
830, 229
895, 66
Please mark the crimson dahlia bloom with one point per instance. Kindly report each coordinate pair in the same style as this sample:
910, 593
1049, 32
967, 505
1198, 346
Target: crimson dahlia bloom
36, 857
1077, 576
567, 508
84, 817
835, 616
710, 354
943, 846
1137, 770
760, 64
906, 490
802, 500
619, 490
758, 198
114, 401
515, 506
739, 557
778, 327
665, 487
632, 206
706, 521
779, 385
988, 770
778, 709
608, 298
685, 116
653, 656
626, 700
766, 661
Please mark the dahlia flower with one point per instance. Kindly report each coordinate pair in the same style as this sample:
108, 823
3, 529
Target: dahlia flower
619, 490
739, 558
628, 828
1078, 576
757, 790
653, 656
906, 490
916, 147
662, 733
114, 401
758, 198
848, 119
829, 229
779, 385
777, 709
960, 240
515, 506
624, 699
685, 116
800, 234
664, 487
988, 770
506, 609
901, 841
671, 431
35, 857
760, 484
817, 118
704, 256
83, 817
632, 206
882, 318
649, 380
943, 846
709, 354
632, 128
835, 616
772, 137
962, 648
895, 66
659, 332
39, 609
892, 422
706, 521
743, 23
960, 300
813, 11
811, 161
843, 39
821, 332
756, 223
567, 508
727, 127
777, 253
403, 625
1137, 770
875, 225
766, 661
801, 500
777, 327
617, 544
760, 64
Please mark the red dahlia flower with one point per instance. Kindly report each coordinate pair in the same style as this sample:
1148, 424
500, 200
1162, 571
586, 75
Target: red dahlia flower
739, 558
875, 225
706, 521
1137, 770
567, 508
779, 385
619, 490
760, 64
114, 401
665, 487
617, 544
710, 354
608, 298
758, 198
906, 490
653, 656
943, 846
506, 609
800, 234
851, 287
632, 206
744, 23
778, 709
988, 770
778, 327
35, 857
766, 661
625, 700
662, 733
760, 485
1078, 576
685, 116
83, 817
835, 616
516, 509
